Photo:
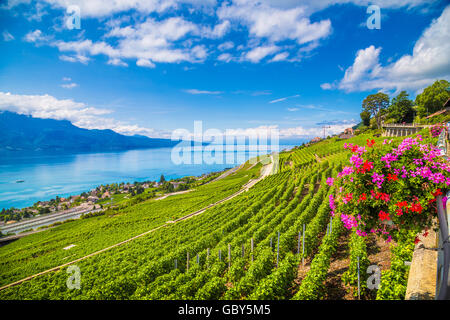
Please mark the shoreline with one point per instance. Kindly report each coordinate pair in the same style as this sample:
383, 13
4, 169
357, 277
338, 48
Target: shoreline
172, 175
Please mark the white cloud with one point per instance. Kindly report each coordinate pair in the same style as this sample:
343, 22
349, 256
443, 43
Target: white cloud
365, 65
218, 31
117, 62
196, 91
225, 57
81, 115
264, 21
428, 62
280, 57
66, 79
35, 36
226, 46
148, 42
326, 86
99, 9
257, 54
284, 98
75, 58
277, 100
145, 63
292, 109
7, 36
315, 131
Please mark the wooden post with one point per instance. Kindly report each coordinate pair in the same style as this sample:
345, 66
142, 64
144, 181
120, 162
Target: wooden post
176, 264
220, 255
198, 261
278, 248
187, 262
229, 256
270, 243
303, 246
252, 248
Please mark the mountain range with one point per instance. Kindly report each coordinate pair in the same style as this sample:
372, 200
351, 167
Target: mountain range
25, 133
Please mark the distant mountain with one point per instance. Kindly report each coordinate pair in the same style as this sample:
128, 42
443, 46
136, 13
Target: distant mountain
24, 133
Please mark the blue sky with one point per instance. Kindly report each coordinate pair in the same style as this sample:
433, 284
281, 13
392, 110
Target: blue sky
150, 67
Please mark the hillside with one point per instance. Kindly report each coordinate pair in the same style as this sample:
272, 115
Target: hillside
24, 133
275, 241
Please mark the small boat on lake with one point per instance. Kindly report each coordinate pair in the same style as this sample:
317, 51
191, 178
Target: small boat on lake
20, 181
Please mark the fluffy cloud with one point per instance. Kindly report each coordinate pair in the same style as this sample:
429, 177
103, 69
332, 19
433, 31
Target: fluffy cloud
264, 21
429, 61
81, 115
255, 55
148, 42
225, 57
98, 8
158, 31
366, 65
226, 46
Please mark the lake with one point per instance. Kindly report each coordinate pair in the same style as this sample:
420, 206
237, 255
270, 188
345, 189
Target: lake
46, 176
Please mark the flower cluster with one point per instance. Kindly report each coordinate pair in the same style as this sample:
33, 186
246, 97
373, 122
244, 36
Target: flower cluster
436, 130
390, 186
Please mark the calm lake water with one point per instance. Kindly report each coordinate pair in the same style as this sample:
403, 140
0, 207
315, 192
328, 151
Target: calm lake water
46, 176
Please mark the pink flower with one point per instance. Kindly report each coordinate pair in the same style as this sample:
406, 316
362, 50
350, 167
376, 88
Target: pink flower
378, 179
330, 181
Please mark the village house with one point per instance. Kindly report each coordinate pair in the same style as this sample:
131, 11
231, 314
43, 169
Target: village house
106, 195
92, 199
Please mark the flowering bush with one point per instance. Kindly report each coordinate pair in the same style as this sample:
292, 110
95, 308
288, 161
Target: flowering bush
436, 130
389, 187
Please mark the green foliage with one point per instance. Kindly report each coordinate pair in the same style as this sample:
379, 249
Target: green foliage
312, 286
365, 117
358, 249
375, 104
393, 281
432, 98
401, 109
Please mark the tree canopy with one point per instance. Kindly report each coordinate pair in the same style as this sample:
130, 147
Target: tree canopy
374, 104
433, 98
401, 108
365, 117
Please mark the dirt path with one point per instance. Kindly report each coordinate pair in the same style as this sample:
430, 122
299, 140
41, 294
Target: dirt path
378, 253
266, 170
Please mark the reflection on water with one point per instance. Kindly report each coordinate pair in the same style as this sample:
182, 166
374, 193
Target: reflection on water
46, 176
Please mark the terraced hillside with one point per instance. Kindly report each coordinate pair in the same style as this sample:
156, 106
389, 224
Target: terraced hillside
273, 241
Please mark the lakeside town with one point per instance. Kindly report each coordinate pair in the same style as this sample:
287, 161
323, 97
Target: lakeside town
104, 197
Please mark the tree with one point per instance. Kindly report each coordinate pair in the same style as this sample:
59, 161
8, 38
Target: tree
433, 98
365, 117
401, 108
374, 104
162, 179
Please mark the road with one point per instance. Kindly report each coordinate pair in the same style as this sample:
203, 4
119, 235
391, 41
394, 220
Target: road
265, 171
44, 220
